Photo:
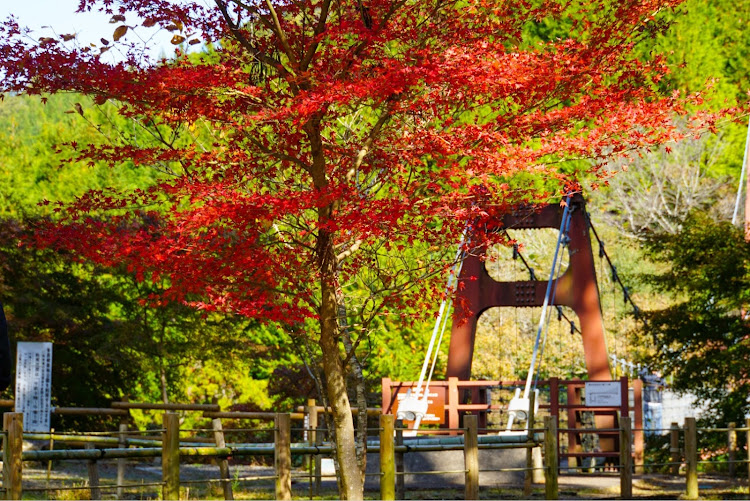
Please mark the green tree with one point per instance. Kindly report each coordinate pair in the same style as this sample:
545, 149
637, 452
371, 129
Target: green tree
33, 167
706, 44
48, 299
702, 338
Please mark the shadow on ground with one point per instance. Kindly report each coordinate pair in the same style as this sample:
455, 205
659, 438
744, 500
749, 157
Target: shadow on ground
69, 480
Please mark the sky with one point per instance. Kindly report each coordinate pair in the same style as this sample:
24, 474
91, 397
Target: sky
59, 17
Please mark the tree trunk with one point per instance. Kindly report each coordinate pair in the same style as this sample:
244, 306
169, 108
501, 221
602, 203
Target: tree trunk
352, 486
361, 396
163, 382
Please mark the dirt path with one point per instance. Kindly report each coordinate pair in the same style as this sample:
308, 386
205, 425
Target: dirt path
69, 480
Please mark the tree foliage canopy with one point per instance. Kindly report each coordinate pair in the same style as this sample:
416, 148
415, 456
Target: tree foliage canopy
703, 339
385, 116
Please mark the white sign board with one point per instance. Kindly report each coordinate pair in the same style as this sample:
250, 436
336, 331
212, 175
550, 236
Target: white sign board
435, 405
34, 385
603, 394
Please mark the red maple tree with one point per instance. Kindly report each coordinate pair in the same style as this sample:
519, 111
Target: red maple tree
321, 158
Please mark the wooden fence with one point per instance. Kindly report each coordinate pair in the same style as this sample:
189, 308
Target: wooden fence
390, 444
563, 400
170, 449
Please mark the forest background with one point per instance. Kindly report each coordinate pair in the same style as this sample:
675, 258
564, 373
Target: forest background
110, 346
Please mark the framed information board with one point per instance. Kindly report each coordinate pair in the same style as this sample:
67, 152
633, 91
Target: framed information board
34, 385
603, 394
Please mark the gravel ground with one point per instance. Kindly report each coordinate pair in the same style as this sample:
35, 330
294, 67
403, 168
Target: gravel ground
69, 480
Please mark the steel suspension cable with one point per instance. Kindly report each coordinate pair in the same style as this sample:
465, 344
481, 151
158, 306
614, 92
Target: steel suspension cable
563, 241
547, 296
419, 397
444, 307
615, 276
742, 175
560, 313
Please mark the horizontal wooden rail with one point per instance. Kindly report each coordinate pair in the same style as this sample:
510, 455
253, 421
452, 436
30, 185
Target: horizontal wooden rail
84, 439
417, 444
86, 411
297, 416
584, 407
589, 454
92, 454
473, 407
371, 411
89, 411
166, 407
473, 384
255, 450
99, 440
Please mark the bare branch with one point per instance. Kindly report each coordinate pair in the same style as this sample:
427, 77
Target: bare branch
351, 250
251, 49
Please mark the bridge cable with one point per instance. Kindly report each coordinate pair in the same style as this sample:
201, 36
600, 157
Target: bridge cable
563, 241
414, 405
742, 175
615, 276
519, 405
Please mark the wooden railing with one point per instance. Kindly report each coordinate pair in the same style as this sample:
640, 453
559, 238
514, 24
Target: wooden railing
170, 449
453, 399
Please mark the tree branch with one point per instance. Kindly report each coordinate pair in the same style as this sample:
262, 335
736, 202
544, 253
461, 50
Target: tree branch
319, 29
280, 33
277, 154
263, 58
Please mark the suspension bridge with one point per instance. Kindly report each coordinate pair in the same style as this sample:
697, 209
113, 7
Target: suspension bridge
574, 287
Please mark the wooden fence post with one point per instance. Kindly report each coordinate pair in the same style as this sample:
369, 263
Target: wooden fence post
400, 480
170, 456
637, 428
550, 457
574, 438
452, 404
12, 454
691, 458
471, 457
674, 448
282, 459
732, 447
121, 462
312, 439
528, 476
49, 463
387, 459
226, 484
93, 468
320, 434
626, 458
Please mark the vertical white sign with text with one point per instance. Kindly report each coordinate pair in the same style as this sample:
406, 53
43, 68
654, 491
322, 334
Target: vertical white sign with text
34, 385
